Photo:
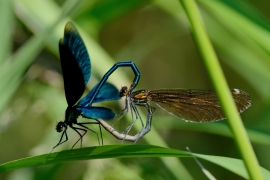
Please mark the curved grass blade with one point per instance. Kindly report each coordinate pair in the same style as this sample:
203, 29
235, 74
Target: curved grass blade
234, 165
124, 151
6, 21
209, 56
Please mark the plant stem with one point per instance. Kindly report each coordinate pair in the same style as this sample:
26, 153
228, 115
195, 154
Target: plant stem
210, 59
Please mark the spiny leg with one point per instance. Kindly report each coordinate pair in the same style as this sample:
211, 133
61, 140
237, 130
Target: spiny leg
132, 118
129, 104
100, 134
134, 109
138, 114
60, 140
125, 110
131, 111
148, 123
81, 136
82, 125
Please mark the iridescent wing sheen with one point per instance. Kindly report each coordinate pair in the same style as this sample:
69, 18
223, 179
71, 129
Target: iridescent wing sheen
107, 92
196, 105
75, 64
91, 112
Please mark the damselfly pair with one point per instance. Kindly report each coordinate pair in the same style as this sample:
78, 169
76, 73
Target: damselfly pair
191, 105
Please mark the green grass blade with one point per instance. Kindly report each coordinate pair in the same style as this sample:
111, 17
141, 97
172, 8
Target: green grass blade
250, 47
207, 52
123, 151
104, 12
100, 152
12, 71
6, 21
245, 25
234, 165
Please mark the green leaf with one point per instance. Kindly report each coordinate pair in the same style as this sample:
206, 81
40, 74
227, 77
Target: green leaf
234, 165
6, 21
216, 74
123, 151
99, 152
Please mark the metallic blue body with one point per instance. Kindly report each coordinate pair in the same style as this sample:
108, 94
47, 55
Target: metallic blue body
76, 68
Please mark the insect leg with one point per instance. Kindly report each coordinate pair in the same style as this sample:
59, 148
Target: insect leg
82, 125
133, 108
125, 110
60, 140
81, 135
148, 123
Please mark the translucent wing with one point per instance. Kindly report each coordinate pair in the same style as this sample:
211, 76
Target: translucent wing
107, 92
75, 64
96, 112
196, 105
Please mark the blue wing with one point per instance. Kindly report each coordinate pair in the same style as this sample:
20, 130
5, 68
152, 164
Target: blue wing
96, 112
75, 64
107, 92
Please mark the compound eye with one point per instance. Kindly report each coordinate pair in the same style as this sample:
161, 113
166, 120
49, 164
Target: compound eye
60, 127
123, 91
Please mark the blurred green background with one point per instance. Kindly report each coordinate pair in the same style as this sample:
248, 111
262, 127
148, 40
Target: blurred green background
155, 36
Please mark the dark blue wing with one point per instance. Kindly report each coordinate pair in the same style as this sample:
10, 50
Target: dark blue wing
91, 112
107, 92
75, 64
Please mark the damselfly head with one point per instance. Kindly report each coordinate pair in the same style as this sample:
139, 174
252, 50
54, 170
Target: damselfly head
123, 91
61, 126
